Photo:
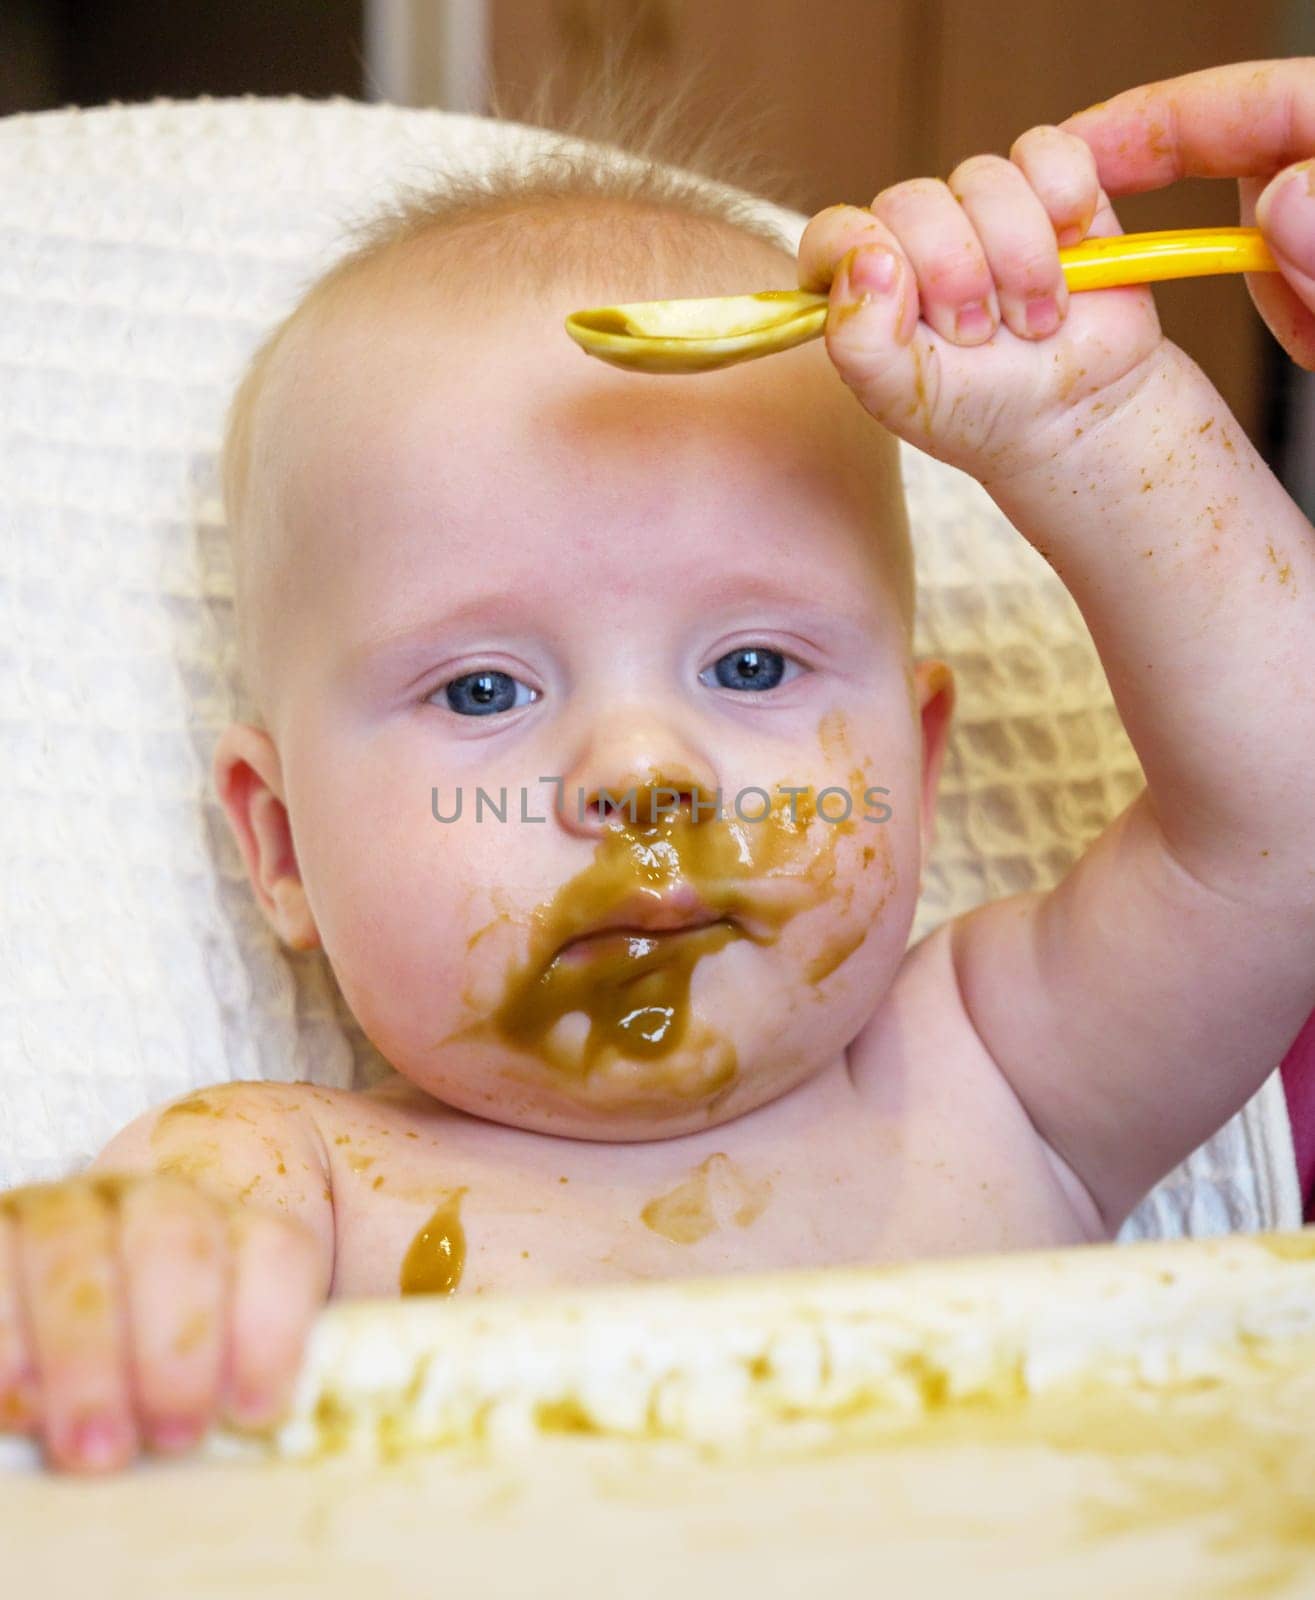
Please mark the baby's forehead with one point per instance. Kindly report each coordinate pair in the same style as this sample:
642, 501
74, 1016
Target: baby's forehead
409, 379
494, 342
457, 313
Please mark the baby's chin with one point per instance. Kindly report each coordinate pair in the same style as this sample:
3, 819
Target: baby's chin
698, 1086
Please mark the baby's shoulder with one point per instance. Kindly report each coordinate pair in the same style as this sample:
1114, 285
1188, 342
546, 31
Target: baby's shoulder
923, 1012
353, 1125
921, 1058
234, 1111
243, 1140
251, 1100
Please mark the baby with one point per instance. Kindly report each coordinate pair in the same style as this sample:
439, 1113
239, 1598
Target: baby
592, 751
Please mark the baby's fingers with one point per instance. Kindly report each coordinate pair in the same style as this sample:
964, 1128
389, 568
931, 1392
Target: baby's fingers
878, 345
829, 237
1062, 172
873, 334
173, 1244
279, 1285
956, 293
1018, 240
68, 1282
19, 1393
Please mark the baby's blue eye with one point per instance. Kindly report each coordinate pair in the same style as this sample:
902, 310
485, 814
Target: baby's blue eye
482, 694
751, 667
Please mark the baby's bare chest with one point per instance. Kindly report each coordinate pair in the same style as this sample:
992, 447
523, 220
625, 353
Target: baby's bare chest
427, 1201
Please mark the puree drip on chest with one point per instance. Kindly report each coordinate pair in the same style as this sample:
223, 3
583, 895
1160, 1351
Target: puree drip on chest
437, 1255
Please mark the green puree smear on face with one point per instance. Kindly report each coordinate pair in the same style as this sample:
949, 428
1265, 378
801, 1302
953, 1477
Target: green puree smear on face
731, 879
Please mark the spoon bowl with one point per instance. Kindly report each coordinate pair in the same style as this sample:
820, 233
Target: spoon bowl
699, 335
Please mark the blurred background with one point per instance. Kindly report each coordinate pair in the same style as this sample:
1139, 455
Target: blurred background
847, 96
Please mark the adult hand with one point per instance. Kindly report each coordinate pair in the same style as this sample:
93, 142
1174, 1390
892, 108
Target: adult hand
1253, 121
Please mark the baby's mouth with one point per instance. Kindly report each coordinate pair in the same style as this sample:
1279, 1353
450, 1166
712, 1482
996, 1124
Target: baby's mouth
639, 926
615, 949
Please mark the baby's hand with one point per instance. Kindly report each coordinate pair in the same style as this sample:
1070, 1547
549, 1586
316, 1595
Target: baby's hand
142, 1305
952, 323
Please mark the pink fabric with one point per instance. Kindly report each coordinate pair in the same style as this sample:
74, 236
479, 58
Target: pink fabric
1298, 1074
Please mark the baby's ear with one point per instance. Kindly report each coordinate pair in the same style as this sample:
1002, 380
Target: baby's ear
934, 695
248, 778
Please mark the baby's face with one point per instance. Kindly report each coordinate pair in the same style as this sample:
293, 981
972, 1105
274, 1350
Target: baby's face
526, 574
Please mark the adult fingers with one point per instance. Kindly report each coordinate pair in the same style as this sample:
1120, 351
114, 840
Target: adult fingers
1285, 299
1244, 120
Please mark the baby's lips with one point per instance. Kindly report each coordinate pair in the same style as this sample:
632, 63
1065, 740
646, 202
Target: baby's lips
674, 910
680, 906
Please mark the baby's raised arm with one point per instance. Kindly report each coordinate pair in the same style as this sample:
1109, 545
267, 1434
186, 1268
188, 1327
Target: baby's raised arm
173, 1283
1139, 1003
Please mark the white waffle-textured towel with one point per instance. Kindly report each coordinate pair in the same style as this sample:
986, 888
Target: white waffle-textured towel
144, 250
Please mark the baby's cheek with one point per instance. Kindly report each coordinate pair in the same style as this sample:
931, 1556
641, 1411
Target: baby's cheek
862, 906
789, 1006
410, 928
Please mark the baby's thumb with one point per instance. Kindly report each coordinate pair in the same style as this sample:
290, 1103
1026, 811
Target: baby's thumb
1285, 214
871, 326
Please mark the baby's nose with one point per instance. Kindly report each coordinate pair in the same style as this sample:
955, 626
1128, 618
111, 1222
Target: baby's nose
638, 772
647, 801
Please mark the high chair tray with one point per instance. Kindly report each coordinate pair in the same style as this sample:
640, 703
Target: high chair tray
1124, 1421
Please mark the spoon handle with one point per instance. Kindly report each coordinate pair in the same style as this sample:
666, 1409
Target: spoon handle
1125, 258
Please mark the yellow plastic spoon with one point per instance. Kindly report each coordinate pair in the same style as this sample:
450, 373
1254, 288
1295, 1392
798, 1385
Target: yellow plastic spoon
700, 335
